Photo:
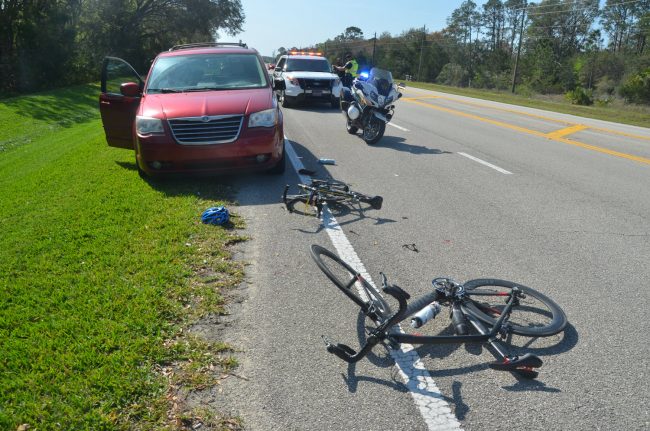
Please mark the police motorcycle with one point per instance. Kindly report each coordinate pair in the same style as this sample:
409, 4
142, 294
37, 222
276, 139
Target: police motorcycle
368, 104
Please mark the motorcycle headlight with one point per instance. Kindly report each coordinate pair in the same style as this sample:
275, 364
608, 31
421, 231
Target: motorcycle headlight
388, 100
263, 118
148, 126
374, 96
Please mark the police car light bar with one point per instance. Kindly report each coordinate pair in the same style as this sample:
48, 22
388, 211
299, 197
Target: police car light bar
319, 54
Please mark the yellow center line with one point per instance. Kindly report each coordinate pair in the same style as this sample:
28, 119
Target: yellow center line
483, 105
627, 135
476, 117
535, 133
422, 97
566, 131
541, 117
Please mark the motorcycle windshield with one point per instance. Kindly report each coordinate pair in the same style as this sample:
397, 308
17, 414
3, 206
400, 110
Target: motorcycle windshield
381, 79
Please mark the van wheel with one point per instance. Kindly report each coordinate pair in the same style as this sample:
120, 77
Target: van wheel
141, 173
287, 101
279, 167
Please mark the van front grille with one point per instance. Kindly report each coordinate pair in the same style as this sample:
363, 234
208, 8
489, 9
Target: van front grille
219, 129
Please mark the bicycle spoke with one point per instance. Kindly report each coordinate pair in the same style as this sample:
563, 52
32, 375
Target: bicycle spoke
532, 314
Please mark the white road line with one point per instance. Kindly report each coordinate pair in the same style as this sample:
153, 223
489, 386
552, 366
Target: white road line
483, 162
427, 397
399, 127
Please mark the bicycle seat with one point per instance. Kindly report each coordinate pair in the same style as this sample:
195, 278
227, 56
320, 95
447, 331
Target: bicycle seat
522, 365
375, 203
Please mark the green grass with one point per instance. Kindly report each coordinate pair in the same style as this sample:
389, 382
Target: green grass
636, 115
100, 272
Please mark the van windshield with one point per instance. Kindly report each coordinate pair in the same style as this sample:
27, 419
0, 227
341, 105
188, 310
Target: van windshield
206, 72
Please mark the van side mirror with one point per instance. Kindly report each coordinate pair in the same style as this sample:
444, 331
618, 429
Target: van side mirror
130, 89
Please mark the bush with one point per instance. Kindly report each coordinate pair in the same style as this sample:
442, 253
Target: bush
491, 80
606, 86
602, 103
637, 88
580, 96
524, 90
452, 74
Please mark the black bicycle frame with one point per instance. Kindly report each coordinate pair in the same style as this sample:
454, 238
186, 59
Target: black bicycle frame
447, 339
381, 333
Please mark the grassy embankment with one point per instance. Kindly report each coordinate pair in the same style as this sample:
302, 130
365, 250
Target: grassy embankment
101, 273
618, 112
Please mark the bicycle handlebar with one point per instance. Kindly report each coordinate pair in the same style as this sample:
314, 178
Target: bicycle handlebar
321, 186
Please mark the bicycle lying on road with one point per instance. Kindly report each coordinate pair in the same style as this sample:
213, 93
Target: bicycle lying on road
496, 309
330, 192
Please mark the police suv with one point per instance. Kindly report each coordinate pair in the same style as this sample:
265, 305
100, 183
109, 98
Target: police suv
307, 76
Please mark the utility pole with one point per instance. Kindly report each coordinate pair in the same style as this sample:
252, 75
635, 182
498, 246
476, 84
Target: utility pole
424, 36
521, 36
374, 46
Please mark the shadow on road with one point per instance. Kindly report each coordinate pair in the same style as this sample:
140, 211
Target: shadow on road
320, 108
398, 143
568, 340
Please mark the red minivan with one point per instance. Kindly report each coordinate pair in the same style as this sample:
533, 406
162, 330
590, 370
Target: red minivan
203, 108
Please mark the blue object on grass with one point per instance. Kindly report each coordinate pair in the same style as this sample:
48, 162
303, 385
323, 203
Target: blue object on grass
215, 215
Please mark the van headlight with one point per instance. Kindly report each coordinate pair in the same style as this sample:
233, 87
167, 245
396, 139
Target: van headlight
266, 118
148, 126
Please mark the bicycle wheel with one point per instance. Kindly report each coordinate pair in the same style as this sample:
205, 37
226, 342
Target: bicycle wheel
330, 184
333, 195
346, 278
300, 204
536, 315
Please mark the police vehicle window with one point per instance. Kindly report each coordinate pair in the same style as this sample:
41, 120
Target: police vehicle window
307, 65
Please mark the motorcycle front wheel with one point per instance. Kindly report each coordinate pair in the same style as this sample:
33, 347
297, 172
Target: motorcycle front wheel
350, 128
373, 131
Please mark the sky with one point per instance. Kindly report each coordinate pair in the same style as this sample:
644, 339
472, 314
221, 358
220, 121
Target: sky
272, 24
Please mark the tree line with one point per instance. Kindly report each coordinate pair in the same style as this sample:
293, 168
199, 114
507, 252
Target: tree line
573, 47
50, 43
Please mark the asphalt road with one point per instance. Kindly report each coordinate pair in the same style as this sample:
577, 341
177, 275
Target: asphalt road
555, 202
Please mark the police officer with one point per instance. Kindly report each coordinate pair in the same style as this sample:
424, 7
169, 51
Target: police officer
351, 69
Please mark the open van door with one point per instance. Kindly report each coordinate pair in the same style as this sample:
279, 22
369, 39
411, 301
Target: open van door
119, 101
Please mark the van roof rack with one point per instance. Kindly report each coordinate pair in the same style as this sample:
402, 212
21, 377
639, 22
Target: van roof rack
208, 44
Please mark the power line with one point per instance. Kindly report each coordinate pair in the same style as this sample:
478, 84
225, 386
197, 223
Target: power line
570, 9
556, 5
